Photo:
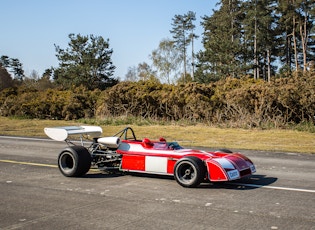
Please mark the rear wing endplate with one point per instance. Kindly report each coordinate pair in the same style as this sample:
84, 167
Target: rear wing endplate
62, 133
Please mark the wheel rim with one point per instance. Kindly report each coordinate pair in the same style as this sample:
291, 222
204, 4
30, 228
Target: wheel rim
66, 162
186, 173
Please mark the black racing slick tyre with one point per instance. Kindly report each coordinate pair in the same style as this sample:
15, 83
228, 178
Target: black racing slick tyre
189, 172
74, 161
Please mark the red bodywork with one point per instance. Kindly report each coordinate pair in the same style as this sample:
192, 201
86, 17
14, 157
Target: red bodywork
159, 157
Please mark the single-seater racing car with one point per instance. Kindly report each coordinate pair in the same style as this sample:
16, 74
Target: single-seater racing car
124, 152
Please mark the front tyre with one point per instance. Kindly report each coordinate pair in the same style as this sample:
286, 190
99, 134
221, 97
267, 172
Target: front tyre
224, 151
189, 172
74, 161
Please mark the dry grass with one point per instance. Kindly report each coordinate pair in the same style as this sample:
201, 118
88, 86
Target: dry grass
273, 140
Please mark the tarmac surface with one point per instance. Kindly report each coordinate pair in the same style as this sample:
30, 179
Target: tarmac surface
35, 195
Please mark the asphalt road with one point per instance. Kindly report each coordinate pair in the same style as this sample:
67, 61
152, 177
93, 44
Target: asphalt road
34, 195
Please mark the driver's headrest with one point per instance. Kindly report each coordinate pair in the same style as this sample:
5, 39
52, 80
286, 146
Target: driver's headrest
147, 143
162, 139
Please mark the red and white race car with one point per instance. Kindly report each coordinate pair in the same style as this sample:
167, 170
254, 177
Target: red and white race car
124, 152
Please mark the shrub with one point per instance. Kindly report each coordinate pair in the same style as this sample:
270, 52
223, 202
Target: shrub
231, 102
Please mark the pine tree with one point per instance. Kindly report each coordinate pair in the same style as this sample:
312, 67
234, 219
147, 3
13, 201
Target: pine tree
87, 61
182, 30
222, 42
260, 36
297, 22
5, 79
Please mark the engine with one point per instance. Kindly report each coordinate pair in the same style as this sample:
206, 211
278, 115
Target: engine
104, 155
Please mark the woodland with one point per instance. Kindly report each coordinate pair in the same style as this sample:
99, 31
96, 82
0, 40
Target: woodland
256, 69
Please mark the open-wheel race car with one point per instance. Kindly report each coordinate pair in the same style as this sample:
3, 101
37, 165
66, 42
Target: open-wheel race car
125, 153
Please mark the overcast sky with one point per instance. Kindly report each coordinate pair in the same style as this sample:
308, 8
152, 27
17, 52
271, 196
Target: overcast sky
30, 28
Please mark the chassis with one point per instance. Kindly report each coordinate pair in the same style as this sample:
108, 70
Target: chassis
122, 152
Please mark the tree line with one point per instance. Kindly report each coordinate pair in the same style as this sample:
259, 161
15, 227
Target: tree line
263, 39
257, 66
256, 37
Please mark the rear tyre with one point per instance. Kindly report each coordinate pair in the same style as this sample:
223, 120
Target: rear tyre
74, 161
189, 172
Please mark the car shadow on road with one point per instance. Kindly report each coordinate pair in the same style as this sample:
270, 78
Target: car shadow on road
104, 174
248, 183
100, 174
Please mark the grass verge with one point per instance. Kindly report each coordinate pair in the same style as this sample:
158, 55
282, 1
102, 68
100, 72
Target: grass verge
186, 135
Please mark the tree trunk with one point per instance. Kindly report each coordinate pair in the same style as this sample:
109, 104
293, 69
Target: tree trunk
269, 65
192, 57
295, 45
256, 74
304, 35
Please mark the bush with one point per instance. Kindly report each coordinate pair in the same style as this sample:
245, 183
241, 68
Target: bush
232, 102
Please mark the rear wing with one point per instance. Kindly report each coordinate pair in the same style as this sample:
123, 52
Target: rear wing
62, 133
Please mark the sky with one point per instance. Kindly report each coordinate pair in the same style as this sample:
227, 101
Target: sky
29, 29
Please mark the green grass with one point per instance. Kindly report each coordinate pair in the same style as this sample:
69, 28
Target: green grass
185, 134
